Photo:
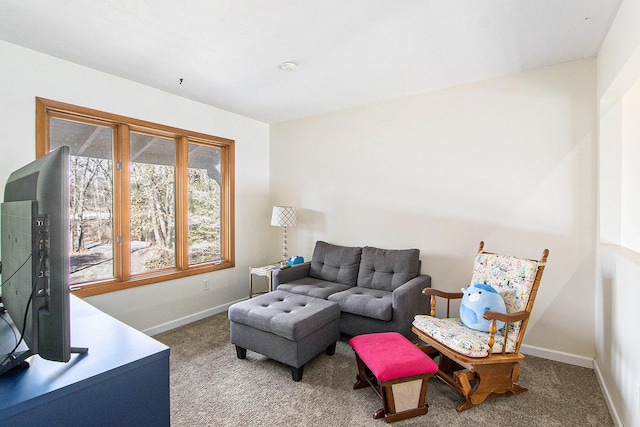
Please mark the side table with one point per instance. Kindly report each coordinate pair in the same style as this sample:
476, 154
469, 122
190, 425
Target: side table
264, 271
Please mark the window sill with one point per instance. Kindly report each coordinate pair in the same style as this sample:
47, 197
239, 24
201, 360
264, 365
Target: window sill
624, 252
92, 289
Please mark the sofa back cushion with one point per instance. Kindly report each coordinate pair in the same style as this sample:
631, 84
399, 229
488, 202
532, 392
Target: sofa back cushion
387, 269
335, 263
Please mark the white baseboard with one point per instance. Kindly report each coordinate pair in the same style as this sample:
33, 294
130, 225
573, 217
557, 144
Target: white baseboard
607, 396
187, 319
558, 356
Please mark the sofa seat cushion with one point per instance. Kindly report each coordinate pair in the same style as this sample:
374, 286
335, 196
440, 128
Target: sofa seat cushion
365, 302
335, 263
387, 269
312, 287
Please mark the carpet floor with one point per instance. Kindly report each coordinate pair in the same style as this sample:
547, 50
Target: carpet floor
210, 386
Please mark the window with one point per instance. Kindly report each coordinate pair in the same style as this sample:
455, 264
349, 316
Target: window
148, 202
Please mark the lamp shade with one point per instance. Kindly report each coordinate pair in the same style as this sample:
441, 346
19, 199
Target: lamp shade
283, 216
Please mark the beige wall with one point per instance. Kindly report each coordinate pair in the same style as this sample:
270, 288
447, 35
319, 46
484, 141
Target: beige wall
510, 161
618, 277
25, 74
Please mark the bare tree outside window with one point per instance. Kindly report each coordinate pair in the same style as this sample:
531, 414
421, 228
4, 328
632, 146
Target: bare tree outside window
90, 191
153, 199
204, 180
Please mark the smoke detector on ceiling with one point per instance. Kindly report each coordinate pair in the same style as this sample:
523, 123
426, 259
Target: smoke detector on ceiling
288, 66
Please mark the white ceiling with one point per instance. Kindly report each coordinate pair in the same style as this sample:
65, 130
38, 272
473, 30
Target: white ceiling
348, 52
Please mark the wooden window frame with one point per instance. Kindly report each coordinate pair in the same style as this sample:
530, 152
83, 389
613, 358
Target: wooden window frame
122, 125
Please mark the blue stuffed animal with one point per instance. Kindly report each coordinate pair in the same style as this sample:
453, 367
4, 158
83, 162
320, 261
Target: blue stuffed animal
295, 260
477, 299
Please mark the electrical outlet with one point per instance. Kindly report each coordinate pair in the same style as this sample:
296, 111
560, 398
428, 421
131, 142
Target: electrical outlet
205, 283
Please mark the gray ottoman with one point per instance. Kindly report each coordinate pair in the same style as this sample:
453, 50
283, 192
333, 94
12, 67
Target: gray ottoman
289, 328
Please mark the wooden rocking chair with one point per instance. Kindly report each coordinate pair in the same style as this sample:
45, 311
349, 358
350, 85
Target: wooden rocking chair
484, 365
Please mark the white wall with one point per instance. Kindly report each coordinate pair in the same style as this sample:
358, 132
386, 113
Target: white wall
26, 74
618, 293
510, 161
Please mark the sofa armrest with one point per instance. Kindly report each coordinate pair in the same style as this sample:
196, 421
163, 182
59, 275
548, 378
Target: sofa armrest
295, 272
408, 300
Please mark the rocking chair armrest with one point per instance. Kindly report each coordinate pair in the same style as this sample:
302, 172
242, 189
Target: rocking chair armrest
506, 317
433, 293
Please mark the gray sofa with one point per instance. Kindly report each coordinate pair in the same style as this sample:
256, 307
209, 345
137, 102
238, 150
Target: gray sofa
378, 290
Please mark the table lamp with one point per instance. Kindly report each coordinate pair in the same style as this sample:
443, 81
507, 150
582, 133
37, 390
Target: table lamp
283, 216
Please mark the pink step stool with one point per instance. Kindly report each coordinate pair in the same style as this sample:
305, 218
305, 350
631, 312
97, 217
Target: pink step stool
398, 372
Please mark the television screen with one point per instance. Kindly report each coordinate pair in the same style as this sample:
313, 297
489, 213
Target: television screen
34, 249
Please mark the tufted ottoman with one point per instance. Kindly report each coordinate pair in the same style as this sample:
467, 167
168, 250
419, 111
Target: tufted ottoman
289, 328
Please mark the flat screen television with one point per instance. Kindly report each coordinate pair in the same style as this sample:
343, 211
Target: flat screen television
34, 253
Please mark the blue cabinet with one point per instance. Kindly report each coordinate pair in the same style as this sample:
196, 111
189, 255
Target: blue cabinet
123, 380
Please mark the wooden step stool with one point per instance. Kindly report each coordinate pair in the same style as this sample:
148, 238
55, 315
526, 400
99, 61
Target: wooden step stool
398, 372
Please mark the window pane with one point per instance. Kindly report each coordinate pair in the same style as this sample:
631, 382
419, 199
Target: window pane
204, 204
91, 191
153, 213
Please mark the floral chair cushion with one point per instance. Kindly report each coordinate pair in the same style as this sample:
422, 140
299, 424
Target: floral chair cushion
455, 335
511, 277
